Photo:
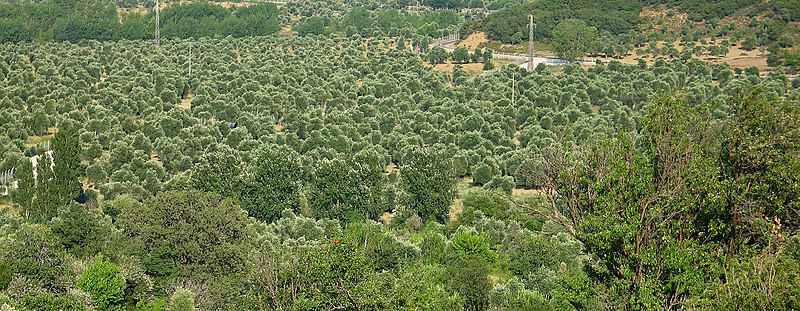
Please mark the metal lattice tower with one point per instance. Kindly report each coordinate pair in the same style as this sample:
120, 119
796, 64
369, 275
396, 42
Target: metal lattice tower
530, 44
158, 23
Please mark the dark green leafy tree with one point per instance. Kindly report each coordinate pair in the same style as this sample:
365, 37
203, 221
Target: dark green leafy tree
572, 39
26, 184
423, 284
660, 185
469, 269
487, 59
445, 4
35, 256
340, 273
461, 55
437, 55
260, 19
360, 20
275, 185
81, 231
760, 170
510, 24
191, 236
45, 203
476, 55
5, 275
193, 20
427, 178
219, 171
346, 190
483, 173
103, 280
504, 184
459, 75
314, 25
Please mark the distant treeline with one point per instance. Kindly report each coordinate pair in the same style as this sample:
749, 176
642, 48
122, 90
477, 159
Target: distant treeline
388, 22
510, 24
698, 10
75, 20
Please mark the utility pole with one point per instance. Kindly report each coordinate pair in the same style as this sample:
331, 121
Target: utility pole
530, 44
158, 23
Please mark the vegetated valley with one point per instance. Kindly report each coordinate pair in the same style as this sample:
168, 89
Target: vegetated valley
334, 155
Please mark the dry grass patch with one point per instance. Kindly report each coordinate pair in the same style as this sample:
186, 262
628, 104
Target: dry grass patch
462, 186
456, 208
739, 58
7, 206
736, 57
519, 192
35, 139
472, 69
186, 102
154, 157
386, 217
391, 167
654, 13
474, 40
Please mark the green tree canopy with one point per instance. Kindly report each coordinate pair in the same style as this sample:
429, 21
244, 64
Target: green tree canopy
103, 280
190, 235
572, 39
427, 177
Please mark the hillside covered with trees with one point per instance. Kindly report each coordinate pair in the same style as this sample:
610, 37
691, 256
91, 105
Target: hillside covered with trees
700, 28
332, 168
98, 20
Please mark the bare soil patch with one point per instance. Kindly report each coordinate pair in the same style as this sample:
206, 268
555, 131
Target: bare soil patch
456, 208
391, 167
472, 69
654, 13
286, 30
6, 205
736, 57
186, 102
474, 40
739, 58
154, 157
449, 66
462, 186
386, 217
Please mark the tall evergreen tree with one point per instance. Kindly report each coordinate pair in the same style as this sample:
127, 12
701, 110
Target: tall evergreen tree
45, 203
66, 154
26, 185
